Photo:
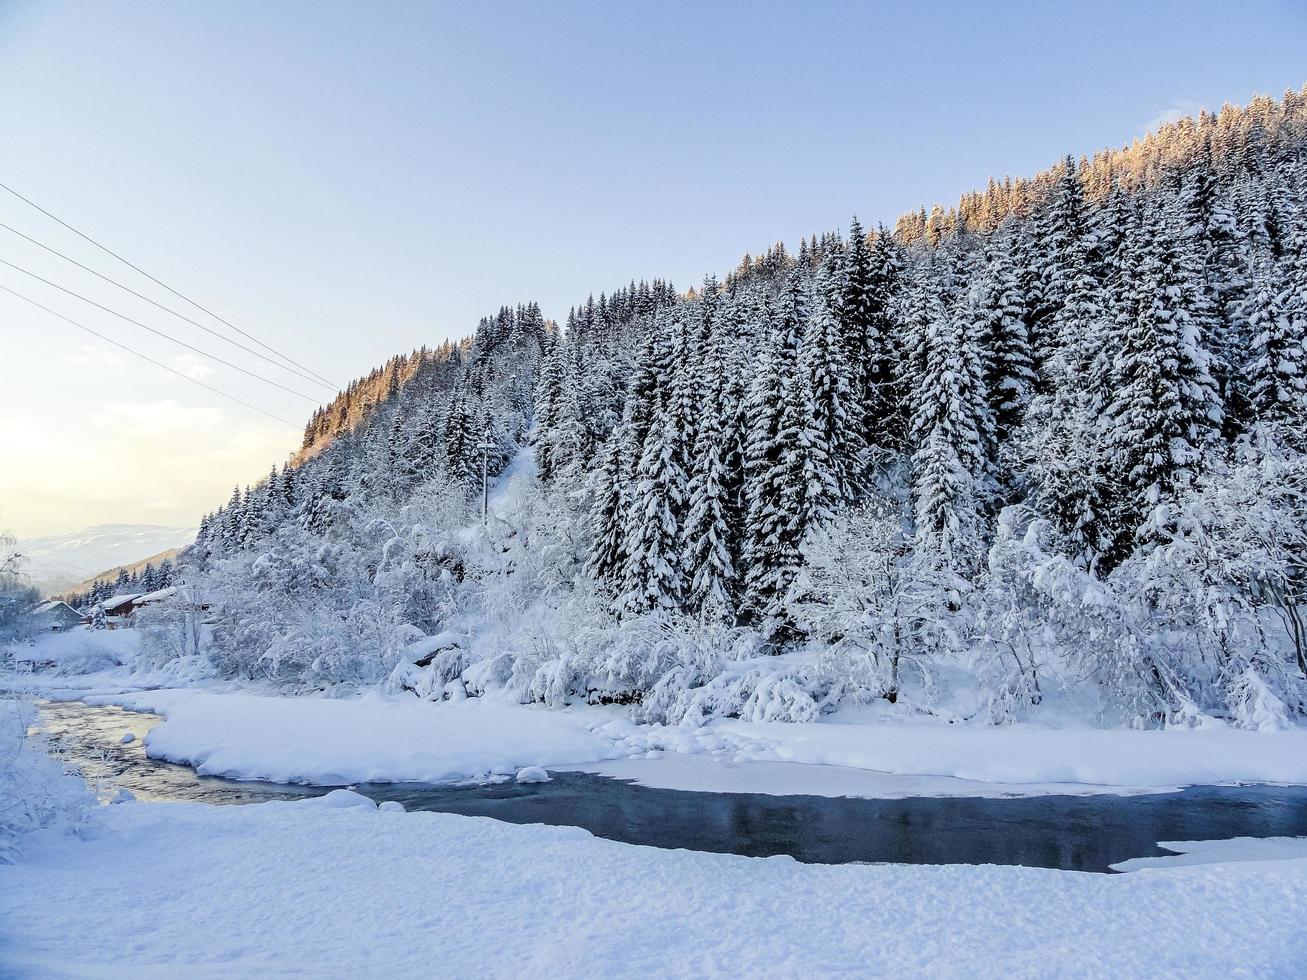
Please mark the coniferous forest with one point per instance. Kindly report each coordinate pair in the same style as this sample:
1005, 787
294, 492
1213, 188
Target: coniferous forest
1042, 451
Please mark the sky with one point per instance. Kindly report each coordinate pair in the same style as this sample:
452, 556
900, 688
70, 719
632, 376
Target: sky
348, 181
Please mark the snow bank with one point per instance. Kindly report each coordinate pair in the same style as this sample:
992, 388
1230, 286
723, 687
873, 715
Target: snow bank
372, 739
78, 650
285, 888
1189, 853
383, 739
1216, 753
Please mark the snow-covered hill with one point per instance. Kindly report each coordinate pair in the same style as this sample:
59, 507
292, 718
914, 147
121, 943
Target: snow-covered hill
58, 561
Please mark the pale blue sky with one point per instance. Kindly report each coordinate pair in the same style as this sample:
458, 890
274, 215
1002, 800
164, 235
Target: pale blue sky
351, 180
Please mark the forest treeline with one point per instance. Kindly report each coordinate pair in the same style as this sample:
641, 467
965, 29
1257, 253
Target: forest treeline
1049, 440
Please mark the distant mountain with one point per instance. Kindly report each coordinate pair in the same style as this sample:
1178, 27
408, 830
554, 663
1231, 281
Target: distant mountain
57, 562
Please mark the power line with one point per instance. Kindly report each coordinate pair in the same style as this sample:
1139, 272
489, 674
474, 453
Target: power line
187, 299
160, 333
146, 357
114, 282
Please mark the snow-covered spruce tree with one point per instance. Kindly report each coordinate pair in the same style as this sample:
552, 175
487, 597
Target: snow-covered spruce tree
1167, 408
1067, 467
950, 485
1003, 341
687, 383
1078, 330
712, 525
607, 554
421, 453
648, 378
782, 477
918, 307
885, 421
1056, 258
731, 349
460, 457
1276, 369
652, 577
831, 380
549, 398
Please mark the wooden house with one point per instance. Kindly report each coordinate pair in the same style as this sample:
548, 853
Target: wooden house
55, 616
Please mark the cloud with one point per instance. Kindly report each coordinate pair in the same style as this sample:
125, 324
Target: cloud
91, 354
1178, 109
129, 461
192, 366
137, 421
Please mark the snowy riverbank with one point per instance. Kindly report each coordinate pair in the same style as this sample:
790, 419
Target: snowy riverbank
224, 729
313, 890
338, 741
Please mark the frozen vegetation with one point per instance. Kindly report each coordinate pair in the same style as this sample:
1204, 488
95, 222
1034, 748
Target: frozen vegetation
36, 790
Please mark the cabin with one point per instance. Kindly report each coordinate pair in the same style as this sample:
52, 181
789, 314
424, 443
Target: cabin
55, 616
118, 610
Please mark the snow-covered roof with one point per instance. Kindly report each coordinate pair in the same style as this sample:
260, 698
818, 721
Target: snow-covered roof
50, 605
113, 602
156, 595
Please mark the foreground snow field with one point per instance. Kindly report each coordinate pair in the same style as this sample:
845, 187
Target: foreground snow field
323, 890
340, 741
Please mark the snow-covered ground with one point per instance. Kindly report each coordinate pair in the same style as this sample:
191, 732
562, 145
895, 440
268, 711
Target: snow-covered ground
335, 887
323, 890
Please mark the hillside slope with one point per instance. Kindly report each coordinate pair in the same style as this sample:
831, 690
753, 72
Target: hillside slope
1041, 451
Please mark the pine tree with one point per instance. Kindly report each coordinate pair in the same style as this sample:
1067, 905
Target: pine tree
884, 406
652, 577
1167, 407
548, 407
869, 275
1003, 342
825, 362
232, 518
686, 385
712, 522
1277, 366
607, 554
779, 472
1058, 255
950, 462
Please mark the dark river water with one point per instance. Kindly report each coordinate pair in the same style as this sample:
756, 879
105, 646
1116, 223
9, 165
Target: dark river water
1076, 833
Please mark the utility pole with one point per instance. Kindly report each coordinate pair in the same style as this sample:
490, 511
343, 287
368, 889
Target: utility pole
485, 446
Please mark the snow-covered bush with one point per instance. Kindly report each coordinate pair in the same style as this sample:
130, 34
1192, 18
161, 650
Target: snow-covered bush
880, 607
36, 790
1217, 602
16, 595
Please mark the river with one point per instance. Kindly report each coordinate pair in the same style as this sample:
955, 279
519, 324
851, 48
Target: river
1077, 833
